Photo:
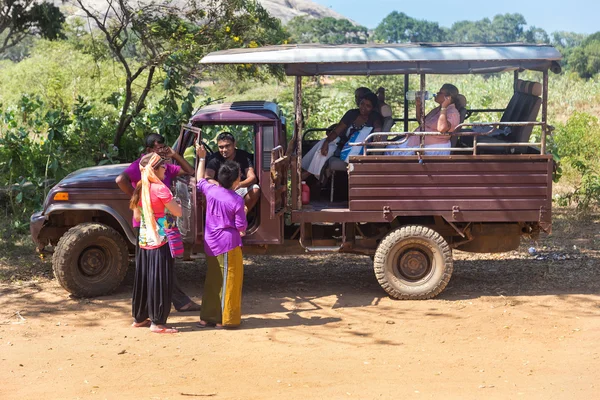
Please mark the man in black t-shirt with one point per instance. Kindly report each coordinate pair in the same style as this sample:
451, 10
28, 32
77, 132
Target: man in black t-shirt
248, 187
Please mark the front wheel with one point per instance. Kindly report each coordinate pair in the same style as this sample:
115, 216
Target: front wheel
413, 262
90, 260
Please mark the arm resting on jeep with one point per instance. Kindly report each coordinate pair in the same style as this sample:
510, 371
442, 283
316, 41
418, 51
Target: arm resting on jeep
250, 178
124, 183
186, 168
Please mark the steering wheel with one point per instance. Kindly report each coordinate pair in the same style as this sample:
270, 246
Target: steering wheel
207, 147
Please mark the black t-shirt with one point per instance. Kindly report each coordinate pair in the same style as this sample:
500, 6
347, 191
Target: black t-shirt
374, 120
242, 157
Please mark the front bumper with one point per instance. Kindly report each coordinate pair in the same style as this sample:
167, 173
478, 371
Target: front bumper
36, 223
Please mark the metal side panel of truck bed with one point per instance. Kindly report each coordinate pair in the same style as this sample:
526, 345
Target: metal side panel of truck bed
514, 188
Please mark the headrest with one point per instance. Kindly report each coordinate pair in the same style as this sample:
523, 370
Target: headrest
461, 102
528, 87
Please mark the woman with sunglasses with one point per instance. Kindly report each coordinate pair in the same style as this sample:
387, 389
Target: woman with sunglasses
153, 285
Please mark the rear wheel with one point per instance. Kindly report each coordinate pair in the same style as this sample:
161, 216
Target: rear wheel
413, 262
90, 260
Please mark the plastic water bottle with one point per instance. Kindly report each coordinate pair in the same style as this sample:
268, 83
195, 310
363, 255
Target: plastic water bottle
305, 193
413, 94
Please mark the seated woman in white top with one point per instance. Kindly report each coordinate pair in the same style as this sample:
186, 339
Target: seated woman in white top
354, 126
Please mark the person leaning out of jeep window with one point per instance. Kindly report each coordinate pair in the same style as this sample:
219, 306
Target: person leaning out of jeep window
248, 187
128, 180
444, 118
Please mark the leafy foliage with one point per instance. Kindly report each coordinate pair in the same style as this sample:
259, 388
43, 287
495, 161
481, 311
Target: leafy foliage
585, 59
145, 37
398, 27
327, 30
22, 18
577, 145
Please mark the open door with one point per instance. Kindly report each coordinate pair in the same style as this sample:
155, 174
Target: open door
191, 222
278, 182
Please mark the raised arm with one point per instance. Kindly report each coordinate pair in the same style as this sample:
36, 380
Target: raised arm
201, 154
443, 125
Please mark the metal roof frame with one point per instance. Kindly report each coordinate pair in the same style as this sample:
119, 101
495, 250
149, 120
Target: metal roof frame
391, 59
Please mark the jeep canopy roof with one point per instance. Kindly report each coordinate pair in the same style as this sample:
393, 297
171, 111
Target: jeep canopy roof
238, 111
388, 59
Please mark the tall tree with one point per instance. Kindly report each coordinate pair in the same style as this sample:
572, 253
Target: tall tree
536, 35
22, 18
397, 27
585, 59
508, 27
326, 30
146, 36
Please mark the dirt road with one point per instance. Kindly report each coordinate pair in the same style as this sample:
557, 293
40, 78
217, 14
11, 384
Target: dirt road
508, 326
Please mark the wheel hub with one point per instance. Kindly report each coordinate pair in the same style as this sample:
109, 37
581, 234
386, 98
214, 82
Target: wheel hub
92, 261
414, 264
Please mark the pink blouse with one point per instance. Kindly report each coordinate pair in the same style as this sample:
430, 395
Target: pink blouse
431, 123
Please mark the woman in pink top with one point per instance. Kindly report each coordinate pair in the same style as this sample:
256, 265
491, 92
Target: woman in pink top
153, 285
444, 118
225, 225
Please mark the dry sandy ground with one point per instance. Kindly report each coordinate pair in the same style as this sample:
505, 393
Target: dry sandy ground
507, 327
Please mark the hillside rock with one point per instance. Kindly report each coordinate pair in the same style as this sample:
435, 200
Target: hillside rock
285, 10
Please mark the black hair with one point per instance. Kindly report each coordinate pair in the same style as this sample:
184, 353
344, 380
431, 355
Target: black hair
226, 136
452, 91
228, 173
372, 98
359, 94
153, 138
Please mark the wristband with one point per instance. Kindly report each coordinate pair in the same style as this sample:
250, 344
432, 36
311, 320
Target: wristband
443, 109
201, 159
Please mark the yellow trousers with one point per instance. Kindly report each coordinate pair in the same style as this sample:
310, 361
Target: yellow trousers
222, 297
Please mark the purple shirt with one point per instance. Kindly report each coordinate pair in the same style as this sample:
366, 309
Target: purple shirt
225, 219
135, 175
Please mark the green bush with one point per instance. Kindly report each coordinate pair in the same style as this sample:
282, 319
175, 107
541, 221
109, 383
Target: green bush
577, 145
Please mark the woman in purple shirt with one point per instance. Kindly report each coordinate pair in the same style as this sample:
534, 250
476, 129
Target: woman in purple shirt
225, 225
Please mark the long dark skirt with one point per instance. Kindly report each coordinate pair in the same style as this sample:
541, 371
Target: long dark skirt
153, 285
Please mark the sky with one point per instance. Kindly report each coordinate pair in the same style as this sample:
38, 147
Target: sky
580, 16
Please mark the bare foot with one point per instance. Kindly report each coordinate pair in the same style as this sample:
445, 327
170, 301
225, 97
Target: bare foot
203, 324
143, 324
162, 329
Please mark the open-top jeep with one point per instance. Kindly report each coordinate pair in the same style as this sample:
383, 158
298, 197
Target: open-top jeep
409, 212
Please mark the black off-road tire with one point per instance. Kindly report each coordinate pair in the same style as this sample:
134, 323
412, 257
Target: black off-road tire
413, 263
91, 259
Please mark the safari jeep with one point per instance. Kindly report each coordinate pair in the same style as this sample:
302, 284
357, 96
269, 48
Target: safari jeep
407, 212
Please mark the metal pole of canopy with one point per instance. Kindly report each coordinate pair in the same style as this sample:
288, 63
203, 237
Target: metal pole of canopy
298, 136
405, 103
544, 110
422, 119
515, 80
